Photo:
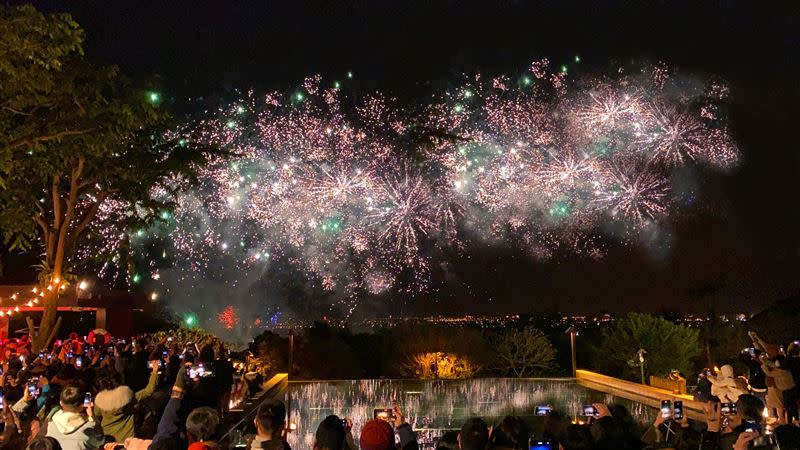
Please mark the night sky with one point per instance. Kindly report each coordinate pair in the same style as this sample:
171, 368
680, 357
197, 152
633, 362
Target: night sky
739, 250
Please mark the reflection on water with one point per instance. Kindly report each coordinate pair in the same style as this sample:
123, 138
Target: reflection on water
439, 405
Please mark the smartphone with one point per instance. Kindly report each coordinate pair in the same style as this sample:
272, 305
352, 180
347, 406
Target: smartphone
677, 410
384, 414
752, 426
87, 399
727, 408
41, 355
540, 445
200, 370
666, 408
344, 423
1, 400
589, 410
165, 353
70, 355
33, 387
543, 410
79, 362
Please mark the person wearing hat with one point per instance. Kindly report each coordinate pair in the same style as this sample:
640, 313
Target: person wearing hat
377, 434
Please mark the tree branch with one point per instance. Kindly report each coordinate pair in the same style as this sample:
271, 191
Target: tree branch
43, 225
29, 321
16, 111
28, 140
52, 333
88, 216
56, 202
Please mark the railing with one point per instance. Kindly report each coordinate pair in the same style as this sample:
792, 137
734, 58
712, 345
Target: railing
244, 411
641, 393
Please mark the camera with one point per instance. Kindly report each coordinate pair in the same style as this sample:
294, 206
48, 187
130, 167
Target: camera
589, 411
344, 423
543, 410
728, 409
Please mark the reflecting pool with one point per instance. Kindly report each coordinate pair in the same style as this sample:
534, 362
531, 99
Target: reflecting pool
434, 406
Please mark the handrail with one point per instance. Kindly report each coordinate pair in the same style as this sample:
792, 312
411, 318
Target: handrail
279, 381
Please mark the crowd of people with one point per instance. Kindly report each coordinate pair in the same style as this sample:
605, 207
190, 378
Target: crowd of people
93, 392
610, 427
770, 372
96, 391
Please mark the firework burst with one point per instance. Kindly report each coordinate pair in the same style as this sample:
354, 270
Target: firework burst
362, 199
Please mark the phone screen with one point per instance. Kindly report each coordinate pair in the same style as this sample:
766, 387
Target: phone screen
78, 361
543, 410
752, 425
666, 408
344, 423
383, 413
33, 389
677, 410
540, 445
728, 408
589, 411
87, 399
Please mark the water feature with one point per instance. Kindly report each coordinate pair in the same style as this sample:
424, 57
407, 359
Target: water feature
434, 406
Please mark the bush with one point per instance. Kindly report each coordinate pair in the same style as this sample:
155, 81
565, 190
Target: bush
668, 346
419, 347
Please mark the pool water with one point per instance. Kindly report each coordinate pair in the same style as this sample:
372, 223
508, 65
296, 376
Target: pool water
434, 406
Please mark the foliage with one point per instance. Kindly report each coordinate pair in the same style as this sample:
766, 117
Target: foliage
523, 352
721, 341
321, 353
465, 347
270, 353
33, 51
778, 323
82, 151
183, 336
669, 346
435, 365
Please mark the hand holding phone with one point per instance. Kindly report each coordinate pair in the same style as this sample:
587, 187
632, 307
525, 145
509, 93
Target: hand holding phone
590, 411
87, 400
543, 410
